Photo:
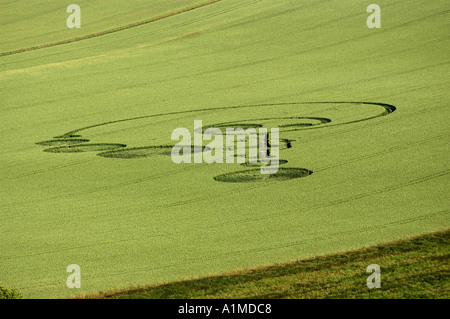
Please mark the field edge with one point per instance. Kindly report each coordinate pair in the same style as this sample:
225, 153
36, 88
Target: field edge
401, 249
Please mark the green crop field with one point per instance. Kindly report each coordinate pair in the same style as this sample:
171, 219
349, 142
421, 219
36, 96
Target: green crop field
415, 268
87, 116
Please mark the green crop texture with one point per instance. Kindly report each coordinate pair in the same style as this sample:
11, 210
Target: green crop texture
87, 116
415, 268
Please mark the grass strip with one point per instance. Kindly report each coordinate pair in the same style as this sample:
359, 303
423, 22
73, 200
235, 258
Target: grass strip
414, 268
